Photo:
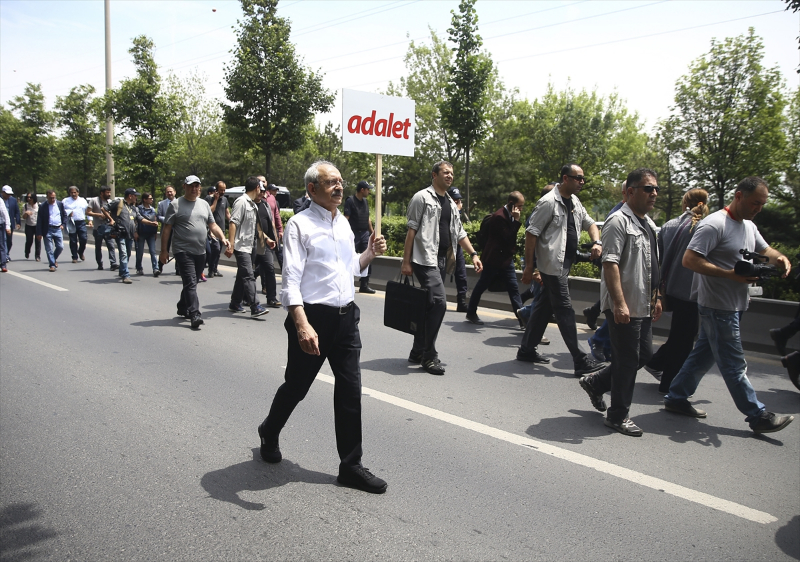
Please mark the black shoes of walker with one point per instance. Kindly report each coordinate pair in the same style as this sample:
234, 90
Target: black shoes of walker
367, 289
768, 422
360, 478
588, 366
270, 451
534, 357
683, 407
472, 318
591, 318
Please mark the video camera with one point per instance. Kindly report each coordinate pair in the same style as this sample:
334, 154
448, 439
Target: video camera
755, 268
587, 256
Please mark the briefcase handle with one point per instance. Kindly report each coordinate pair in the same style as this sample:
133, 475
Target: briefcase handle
405, 278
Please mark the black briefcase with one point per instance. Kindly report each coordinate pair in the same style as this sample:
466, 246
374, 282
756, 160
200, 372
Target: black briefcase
405, 307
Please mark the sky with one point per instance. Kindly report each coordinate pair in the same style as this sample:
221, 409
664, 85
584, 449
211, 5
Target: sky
637, 49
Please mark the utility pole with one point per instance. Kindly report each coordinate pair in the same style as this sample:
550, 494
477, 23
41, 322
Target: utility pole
109, 121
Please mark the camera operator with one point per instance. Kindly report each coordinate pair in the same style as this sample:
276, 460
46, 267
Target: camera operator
722, 298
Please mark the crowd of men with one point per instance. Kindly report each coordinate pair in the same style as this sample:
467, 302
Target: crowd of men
689, 266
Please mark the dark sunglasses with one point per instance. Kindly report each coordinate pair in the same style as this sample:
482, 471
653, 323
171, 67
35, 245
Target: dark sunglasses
648, 188
576, 178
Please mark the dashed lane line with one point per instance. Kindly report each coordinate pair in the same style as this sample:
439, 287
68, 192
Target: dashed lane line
658, 484
33, 280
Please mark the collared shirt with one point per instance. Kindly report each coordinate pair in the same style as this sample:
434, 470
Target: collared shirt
96, 204
319, 259
30, 220
424, 212
4, 218
76, 206
55, 214
244, 215
627, 243
549, 224
161, 210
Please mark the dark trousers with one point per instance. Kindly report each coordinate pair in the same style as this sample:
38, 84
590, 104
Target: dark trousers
631, 349
555, 299
340, 344
671, 356
77, 240
169, 245
244, 287
191, 268
214, 249
487, 276
9, 239
460, 273
100, 236
3, 246
30, 240
265, 264
362, 243
431, 278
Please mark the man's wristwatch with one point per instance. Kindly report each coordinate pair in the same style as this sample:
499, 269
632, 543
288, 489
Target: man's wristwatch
473, 254
596, 242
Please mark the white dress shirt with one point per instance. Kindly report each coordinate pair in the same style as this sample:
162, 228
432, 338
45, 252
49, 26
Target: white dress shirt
319, 259
77, 206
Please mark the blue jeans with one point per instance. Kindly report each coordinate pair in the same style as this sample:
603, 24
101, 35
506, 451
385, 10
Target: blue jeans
77, 240
51, 239
151, 244
602, 338
720, 342
525, 311
125, 245
3, 249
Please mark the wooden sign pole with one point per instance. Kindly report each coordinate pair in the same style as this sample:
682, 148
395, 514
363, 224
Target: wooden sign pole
378, 192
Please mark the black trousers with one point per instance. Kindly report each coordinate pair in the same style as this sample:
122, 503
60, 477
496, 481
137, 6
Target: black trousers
100, 237
431, 278
361, 244
191, 268
214, 250
631, 349
265, 265
487, 276
30, 240
554, 300
244, 288
460, 273
671, 356
340, 344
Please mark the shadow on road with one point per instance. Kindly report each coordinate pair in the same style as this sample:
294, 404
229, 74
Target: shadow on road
174, 322
103, 281
394, 366
570, 429
21, 538
257, 476
788, 538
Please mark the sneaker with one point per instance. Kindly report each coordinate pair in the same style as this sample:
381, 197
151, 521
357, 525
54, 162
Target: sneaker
597, 399
587, 367
156, 272
258, 311
779, 339
270, 450
114, 267
433, 366
217, 274
367, 289
127, 280
197, 321
591, 318
544, 341
625, 427
521, 320
274, 304
472, 318
361, 478
415, 358
655, 372
597, 351
768, 422
532, 357
683, 407
236, 308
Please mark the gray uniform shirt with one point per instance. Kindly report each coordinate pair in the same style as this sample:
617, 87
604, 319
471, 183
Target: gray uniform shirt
424, 211
190, 221
719, 238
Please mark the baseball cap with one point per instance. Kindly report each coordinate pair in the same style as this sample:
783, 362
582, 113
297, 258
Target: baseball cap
363, 185
191, 179
7, 189
131, 191
455, 193
272, 187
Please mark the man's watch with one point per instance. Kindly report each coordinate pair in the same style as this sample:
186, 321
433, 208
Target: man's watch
597, 242
473, 254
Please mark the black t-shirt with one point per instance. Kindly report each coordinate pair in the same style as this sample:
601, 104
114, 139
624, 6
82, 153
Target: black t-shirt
654, 270
444, 225
219, 213
357, 213
572, 232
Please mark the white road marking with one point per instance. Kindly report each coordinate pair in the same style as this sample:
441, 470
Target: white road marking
48, 285
626, 474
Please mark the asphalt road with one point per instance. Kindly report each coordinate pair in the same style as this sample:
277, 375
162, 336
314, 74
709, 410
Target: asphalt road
125, 435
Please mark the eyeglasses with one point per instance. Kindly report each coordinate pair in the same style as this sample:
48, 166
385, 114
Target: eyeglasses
647, 188
576, 178
331, 183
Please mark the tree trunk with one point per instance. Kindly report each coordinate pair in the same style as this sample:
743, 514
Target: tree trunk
466, 176
267, 163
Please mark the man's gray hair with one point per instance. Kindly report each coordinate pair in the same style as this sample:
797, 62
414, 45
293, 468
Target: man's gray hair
312, 174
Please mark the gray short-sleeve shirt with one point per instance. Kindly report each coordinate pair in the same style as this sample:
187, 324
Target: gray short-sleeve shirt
190, 221
719, 238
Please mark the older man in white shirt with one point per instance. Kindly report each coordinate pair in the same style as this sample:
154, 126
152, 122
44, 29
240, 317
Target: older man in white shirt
319, 264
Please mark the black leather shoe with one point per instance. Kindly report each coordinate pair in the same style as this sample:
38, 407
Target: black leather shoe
779, 339
588, 367
683, 407
473, 319
362, 479
273, 304
461, 304
367, 289
625, 427
532, 357
591, 318
114, 267
197, 322
270, 451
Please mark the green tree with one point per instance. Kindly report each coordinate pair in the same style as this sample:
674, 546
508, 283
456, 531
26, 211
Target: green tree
31, 147
728, 117
148, 115
82, 147
9, 132
467, 92
272, 97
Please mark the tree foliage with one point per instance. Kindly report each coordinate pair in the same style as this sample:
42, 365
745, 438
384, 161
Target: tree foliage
82, 145
27, 153
728, 117
272, 97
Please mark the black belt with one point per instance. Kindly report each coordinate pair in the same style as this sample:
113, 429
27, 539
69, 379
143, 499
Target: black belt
341, 310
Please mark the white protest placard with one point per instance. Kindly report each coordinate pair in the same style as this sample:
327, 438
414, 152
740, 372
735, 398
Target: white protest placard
377, 124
